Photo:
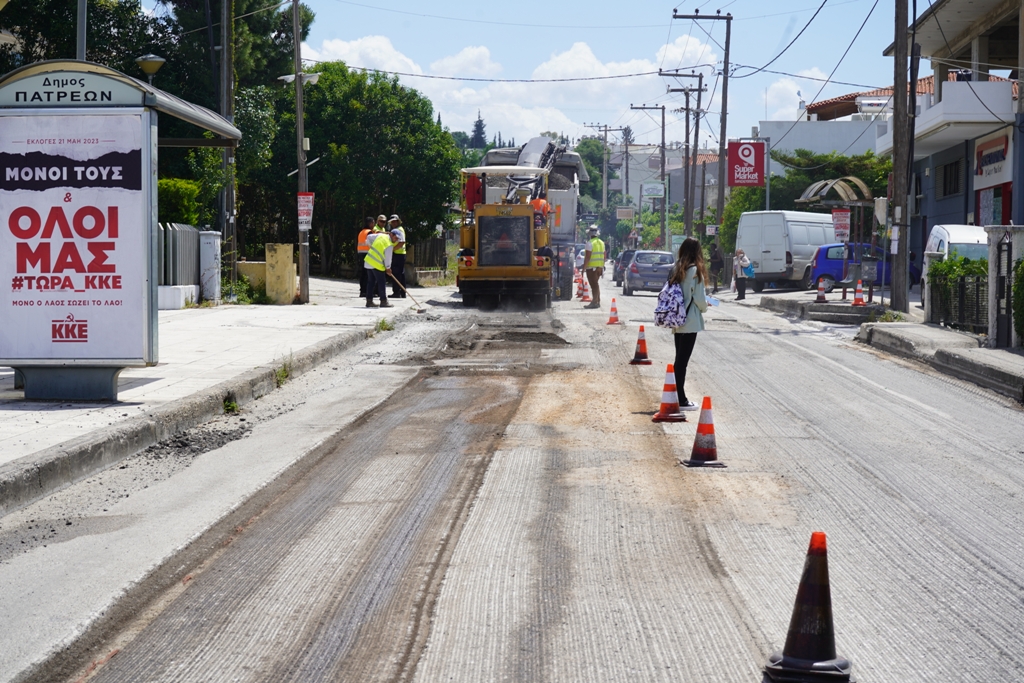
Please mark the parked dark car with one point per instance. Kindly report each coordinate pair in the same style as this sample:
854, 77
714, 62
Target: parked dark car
827, 265
621, 263
647, 272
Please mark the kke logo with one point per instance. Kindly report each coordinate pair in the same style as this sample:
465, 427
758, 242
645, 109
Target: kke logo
69, 330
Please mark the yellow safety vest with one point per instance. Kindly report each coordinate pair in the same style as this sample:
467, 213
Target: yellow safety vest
402, 250
596, 253
375, 257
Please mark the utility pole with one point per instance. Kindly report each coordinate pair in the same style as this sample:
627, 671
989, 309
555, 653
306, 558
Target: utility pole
690, 165
664, 223
227, 110
83, 17
300, 137
900, 160
725, 98
604, 130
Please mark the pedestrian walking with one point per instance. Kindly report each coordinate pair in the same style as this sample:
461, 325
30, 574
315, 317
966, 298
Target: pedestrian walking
594, 263
740, 269
378, 267
398, 258
717, 264
363, 246
690, 273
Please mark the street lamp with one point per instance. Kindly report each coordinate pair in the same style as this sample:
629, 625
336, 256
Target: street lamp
150, 64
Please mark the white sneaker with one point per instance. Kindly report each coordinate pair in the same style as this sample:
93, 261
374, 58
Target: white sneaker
689, 406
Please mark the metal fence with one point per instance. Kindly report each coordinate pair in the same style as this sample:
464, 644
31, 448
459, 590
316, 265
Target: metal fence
961, 303
178, 254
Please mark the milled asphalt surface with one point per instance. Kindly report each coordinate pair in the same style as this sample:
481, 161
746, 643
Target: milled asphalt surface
209, 355
235, 352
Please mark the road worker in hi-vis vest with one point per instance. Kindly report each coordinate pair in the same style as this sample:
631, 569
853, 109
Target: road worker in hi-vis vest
378, 266
593, 261
362, 246
398, 260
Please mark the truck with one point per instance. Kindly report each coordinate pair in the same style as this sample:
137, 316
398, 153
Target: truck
566, 172
502, 232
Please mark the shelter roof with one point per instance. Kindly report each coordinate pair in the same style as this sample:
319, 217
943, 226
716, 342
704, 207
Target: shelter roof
147, 95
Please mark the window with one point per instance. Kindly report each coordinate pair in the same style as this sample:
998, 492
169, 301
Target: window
835, 253
653, 258
949, 179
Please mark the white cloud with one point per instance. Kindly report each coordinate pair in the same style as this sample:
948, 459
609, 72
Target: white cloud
522, 110
783, 100
470, 61
371, 52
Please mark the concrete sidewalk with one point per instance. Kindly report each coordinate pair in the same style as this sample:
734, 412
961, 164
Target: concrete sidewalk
207, 355
959, 354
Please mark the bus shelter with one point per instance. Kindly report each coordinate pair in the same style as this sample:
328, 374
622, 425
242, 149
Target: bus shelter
78, 224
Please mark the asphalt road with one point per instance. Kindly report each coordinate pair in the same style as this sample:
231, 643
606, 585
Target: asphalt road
514, 515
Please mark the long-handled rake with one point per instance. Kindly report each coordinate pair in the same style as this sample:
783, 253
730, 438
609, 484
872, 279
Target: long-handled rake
419, 309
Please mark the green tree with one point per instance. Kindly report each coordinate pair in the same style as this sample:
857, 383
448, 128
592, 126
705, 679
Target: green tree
478, 140
383, 153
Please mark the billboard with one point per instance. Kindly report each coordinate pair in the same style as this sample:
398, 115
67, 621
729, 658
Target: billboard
652, 190
75, 222
746, 164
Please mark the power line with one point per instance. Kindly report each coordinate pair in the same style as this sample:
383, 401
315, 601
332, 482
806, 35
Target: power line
490, 80
821, 7
841, 59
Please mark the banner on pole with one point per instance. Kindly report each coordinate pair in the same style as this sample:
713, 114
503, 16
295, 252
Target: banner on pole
841, 223
305, 210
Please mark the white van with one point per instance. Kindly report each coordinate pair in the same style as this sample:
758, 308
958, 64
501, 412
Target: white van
782, 244
970, 241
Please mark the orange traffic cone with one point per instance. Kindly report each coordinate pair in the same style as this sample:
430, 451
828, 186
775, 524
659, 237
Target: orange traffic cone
669, 410
640, 356
580, 284
858, 297
810, 651
586, 293
613, 319
705, 452
821, 293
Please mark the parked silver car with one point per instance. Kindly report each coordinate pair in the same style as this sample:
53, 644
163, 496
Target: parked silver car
647, 272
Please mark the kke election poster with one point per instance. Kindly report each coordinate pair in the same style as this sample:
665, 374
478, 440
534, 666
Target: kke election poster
74, 222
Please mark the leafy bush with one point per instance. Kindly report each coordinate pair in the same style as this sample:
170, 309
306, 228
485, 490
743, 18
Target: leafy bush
245, 292
177, 201
955, 267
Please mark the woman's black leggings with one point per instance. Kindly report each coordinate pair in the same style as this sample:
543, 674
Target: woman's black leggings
684, 347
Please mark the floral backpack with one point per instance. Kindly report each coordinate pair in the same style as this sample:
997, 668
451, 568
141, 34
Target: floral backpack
671, 308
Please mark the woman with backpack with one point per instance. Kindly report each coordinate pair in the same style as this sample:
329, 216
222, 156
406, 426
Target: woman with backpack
690, 273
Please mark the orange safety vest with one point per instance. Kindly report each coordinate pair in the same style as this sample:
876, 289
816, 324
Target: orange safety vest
541, 205
361, 246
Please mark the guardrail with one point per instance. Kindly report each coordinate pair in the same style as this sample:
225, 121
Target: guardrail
178, 254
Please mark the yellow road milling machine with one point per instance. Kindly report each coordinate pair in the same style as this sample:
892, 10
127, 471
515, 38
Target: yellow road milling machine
519, 224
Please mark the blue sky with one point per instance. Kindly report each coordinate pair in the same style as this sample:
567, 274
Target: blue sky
530, 39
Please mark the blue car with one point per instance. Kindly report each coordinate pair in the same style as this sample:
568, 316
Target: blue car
827, 265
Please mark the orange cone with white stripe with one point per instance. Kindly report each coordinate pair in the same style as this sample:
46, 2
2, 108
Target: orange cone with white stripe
858, 297
586, 293
640, 357
613, 319
705, 452
669, 410
821, 293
